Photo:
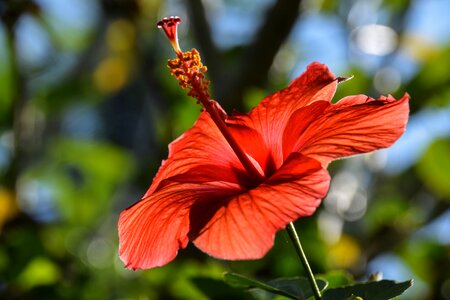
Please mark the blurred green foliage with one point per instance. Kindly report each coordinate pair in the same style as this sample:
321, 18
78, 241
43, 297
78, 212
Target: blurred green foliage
87, 109
433, 168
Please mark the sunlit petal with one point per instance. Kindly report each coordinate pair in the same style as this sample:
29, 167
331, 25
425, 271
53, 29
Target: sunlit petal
244, 226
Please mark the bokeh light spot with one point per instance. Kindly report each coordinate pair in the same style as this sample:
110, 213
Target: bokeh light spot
330, 227
99, 253
387, 80
375, 39
37, 198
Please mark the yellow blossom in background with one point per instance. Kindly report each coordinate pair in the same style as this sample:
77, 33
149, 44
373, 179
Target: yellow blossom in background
121, 35
111, 74
345, 253
8, 206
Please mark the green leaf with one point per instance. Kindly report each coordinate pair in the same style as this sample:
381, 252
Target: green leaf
375, 290
217, 289
297, 286
294, 288
337, 278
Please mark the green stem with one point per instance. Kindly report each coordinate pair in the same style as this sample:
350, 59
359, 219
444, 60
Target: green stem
298, 247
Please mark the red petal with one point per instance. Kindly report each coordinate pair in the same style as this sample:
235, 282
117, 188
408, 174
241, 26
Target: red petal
270, 117
354, 125
244, 226
210, 173
250, 140
152, 231
299, 123
203, 144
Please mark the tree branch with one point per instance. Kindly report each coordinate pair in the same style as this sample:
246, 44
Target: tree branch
204, 38
259, 56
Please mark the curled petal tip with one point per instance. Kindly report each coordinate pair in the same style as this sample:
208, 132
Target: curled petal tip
343, 79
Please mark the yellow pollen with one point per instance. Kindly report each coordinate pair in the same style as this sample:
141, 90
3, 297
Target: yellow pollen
188, 68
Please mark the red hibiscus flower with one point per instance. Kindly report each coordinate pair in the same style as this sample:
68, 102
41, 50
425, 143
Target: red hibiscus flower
230, 200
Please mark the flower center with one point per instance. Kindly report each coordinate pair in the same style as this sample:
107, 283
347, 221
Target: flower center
189, 71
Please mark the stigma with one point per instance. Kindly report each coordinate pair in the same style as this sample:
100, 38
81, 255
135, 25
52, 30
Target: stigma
170, 28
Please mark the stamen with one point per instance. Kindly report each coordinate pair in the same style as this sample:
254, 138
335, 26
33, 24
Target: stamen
170, 26
187, 69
